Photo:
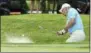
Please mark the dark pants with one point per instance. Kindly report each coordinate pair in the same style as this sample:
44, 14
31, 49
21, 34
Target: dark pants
54, 3
43, 6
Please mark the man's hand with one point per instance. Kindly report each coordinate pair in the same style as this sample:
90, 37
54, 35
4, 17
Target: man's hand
61, 32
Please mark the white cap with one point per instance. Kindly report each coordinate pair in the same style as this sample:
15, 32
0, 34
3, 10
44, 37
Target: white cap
64, 5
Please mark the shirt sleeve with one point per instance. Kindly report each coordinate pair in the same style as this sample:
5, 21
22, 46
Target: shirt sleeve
71, 14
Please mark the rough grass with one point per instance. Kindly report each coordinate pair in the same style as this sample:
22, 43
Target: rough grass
41, 28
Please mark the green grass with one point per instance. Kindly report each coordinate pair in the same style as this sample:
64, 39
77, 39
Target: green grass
41, 28
43, 49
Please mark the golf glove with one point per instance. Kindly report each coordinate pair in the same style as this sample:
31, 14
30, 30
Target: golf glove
62, 32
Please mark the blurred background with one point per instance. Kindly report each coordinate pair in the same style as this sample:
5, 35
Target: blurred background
8, 7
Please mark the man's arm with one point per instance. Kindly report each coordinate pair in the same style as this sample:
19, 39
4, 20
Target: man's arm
70, 24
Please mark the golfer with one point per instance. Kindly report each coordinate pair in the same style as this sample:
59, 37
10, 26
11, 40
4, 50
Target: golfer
74, 24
